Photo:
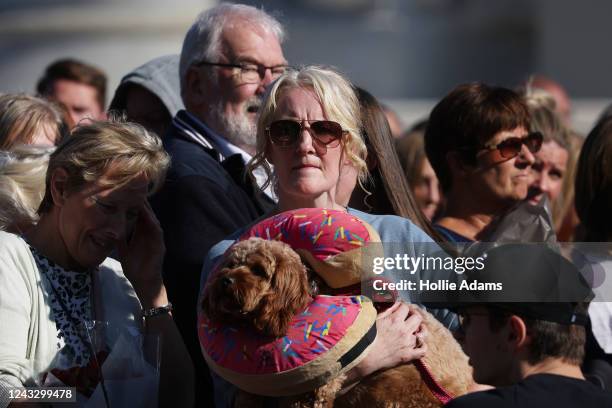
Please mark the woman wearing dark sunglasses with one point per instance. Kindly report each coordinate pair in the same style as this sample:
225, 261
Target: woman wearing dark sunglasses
309, 130
478, 143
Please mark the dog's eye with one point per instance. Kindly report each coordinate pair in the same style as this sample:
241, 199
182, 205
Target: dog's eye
259, 270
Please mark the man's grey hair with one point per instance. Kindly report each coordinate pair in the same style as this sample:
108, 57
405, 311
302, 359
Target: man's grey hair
203, 40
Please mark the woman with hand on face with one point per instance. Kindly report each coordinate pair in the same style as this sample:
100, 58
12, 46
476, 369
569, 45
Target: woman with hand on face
309, 130
58, 278
479, 144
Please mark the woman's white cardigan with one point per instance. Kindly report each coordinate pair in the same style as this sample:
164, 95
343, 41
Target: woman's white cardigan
28, 334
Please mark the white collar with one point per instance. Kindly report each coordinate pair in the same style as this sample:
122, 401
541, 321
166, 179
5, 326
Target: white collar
227, 149
221, 144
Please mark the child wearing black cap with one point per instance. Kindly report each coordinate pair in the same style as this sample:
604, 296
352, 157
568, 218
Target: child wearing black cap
528, 339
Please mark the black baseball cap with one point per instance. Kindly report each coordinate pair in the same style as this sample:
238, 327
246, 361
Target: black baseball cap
530, 280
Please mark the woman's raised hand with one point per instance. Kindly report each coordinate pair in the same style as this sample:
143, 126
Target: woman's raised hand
142, 255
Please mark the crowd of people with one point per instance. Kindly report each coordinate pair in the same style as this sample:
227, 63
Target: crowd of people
120, 215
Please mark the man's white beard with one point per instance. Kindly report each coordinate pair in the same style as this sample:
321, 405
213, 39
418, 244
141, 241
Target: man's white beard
238, 128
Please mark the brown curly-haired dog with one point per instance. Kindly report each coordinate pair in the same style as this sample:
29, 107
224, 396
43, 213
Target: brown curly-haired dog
260, 283
264, 284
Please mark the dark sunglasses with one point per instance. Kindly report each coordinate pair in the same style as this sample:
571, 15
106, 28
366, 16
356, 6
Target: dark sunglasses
286, 132
511, 147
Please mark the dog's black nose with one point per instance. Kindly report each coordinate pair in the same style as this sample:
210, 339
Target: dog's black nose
227, 281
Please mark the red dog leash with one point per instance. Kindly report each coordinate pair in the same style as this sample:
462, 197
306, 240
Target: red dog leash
436, 389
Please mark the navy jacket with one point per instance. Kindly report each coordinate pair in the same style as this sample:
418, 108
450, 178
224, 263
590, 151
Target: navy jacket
202, 201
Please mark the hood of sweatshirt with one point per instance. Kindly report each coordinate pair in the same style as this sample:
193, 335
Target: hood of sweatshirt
160, 76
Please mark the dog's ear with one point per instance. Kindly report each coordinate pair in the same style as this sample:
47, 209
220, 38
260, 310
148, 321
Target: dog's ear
288, 295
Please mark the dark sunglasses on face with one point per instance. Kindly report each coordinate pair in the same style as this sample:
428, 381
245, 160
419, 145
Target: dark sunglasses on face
286, 132
511, 147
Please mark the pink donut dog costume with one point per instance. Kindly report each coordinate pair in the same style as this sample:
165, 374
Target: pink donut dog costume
328, 337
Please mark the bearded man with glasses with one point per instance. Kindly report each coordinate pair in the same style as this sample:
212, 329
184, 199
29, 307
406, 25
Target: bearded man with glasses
478, 143
230, 54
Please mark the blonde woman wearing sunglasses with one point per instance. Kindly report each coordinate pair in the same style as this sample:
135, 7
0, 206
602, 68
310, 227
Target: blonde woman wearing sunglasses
309, 131
478, 142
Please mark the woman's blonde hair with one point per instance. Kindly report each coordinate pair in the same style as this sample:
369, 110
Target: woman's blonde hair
22, 185
339, 103
544, 119
111, 153
22, 116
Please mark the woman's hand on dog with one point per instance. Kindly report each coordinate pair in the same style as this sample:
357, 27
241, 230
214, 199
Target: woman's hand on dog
400, 335
400, 339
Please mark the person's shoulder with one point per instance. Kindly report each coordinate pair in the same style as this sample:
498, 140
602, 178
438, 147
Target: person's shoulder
380, 219
216, 252
7, 238
220, 247
13, 245
186, 154
450, 235
484, 399
535, 391
16, 260
212, 259
393, 228
579, 389
112, 264
191, 162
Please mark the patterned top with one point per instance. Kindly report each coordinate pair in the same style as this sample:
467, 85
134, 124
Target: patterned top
74, 291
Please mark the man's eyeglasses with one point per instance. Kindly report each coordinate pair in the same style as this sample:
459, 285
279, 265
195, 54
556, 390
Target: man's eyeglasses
496, 314
465, 318
511, 147
249, 73
286, 132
